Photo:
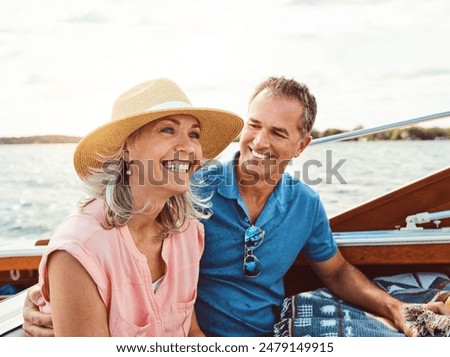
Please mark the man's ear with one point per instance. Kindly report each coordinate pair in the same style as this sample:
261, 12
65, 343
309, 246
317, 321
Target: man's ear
303, 144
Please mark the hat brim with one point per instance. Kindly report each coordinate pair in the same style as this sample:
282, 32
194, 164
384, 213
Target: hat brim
219, 128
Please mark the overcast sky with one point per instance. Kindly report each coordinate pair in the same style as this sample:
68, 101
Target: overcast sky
63, 63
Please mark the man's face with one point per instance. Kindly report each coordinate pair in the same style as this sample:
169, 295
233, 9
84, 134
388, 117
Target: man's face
271, 137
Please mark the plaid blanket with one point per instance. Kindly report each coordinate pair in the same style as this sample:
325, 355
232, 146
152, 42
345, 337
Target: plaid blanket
319, 313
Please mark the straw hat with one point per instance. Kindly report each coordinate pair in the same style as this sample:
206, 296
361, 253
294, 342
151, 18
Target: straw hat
145, 103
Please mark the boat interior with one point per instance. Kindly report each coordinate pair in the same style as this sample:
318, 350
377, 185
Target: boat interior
406, 230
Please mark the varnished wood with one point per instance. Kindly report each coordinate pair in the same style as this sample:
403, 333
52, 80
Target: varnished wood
23, 280
398, 254
42, 242
19, 263
393, 255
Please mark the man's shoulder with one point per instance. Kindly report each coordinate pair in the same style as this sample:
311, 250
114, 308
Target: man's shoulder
298, 187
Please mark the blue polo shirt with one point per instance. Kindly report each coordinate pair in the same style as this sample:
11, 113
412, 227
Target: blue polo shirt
228, 302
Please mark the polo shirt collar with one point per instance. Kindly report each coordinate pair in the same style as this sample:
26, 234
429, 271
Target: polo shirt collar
228, 187
283, 193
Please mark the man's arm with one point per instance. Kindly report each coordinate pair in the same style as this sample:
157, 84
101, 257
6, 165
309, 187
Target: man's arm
351, 285
36, 323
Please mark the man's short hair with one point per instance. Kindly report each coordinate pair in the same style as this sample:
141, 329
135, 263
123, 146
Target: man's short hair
281, 87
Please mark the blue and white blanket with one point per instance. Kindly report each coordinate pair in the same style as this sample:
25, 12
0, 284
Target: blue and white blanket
319, 313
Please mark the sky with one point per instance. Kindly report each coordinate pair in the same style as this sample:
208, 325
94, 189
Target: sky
63, 63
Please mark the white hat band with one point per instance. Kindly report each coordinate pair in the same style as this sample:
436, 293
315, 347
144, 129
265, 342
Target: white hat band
168, 105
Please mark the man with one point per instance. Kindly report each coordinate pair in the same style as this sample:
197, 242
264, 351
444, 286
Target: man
262, 219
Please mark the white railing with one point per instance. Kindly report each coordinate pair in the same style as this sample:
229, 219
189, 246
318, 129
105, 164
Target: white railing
378, 129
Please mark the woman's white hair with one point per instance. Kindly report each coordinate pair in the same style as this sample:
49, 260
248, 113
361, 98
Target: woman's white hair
109, 183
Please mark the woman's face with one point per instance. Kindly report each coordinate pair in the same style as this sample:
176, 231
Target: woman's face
165, 153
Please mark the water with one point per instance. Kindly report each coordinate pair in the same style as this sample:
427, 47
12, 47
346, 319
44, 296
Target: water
39, 187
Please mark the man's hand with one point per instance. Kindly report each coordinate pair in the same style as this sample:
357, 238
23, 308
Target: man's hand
400, 322
36, 323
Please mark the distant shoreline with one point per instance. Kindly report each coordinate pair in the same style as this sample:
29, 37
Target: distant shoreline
41, 139
412, 133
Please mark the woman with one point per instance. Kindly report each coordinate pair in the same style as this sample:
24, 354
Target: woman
127, 263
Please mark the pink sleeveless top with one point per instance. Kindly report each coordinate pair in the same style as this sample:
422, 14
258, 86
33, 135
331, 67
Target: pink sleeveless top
123, 277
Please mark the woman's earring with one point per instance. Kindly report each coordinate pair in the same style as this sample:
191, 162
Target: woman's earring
126, 161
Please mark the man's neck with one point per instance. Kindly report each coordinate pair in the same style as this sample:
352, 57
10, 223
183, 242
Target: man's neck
254, 194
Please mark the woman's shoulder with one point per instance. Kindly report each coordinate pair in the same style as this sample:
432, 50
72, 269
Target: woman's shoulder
191, 238
191, 231
193, 227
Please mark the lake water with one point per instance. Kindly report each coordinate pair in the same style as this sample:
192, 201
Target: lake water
39, 187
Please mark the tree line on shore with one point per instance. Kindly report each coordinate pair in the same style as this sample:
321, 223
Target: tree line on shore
412, 133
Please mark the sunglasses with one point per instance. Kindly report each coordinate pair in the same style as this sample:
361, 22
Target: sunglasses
252, 239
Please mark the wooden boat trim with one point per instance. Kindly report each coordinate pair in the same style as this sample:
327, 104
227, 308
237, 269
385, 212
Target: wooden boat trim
21, 258
385, 254
20, 263
407, 254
